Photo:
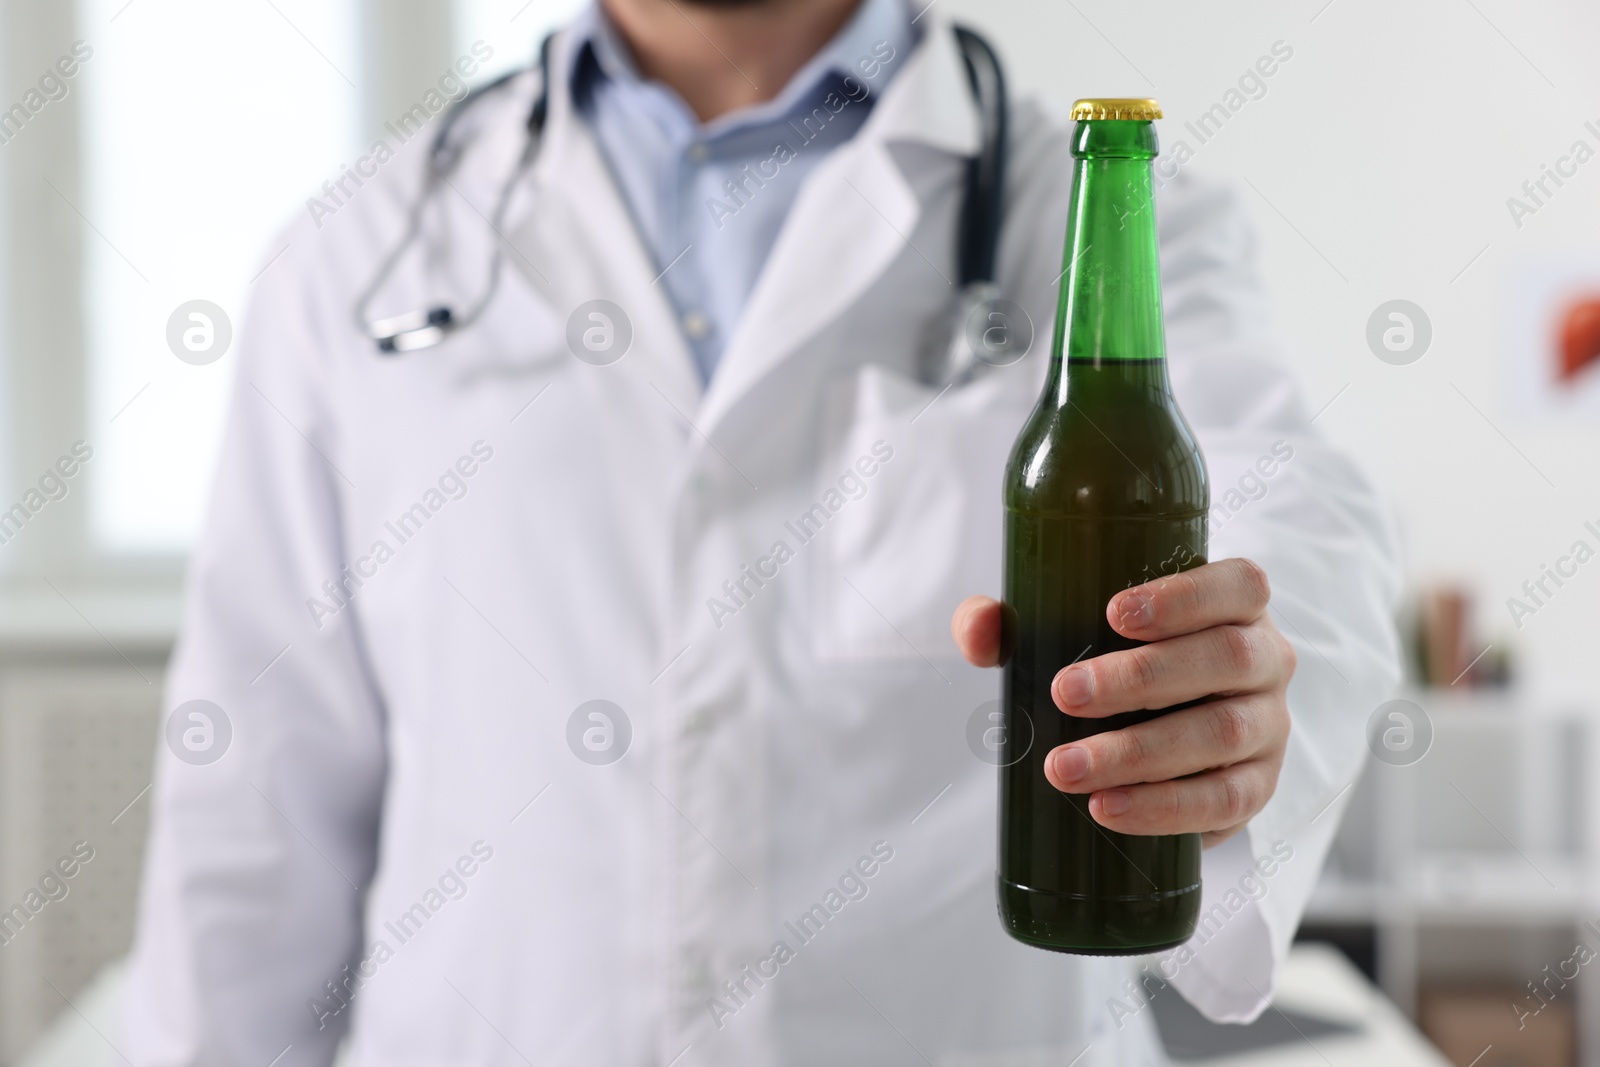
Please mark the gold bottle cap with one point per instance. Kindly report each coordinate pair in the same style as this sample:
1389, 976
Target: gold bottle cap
1116, 108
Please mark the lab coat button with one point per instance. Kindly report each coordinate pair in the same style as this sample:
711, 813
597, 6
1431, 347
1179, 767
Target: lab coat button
699, 152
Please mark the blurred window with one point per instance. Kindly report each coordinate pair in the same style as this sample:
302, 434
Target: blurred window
513, 28
205, 126
204, 129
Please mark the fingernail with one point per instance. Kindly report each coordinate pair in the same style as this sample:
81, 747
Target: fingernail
1134, 611
1071, 764
1115, 802
1075, 686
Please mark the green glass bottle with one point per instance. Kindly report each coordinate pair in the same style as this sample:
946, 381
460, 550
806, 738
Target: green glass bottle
1105, 489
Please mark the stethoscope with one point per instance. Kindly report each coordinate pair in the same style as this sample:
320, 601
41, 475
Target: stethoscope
977, 237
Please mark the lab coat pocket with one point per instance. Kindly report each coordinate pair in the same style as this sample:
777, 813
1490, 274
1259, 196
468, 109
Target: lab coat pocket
908, 507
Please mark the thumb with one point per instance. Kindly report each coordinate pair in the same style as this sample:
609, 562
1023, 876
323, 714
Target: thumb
976, 629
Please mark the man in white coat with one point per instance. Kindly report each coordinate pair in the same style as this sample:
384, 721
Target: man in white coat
582, 690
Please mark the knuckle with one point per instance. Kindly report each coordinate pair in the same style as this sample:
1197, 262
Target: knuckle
1140, 672
1287, 656
1233, 727
1130, 751
1108, 753
1255, 576
1236, 799
1240, 650
1177, 805
1186, 593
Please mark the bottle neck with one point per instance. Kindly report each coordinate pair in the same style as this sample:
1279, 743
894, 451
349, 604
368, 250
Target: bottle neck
1108, 315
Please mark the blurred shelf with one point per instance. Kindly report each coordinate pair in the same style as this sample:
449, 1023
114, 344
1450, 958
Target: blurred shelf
1501, 887
1466, 887
1476, 707
1337, 899
1478, 855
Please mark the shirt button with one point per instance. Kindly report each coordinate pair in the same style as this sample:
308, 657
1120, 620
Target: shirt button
699, 152
696, 325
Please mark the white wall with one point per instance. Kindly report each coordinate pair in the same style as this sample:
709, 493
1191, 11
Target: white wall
1391, 141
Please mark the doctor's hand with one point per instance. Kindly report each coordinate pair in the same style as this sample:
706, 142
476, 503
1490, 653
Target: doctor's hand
1205, 769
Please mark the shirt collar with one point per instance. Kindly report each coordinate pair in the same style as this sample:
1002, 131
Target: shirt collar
878, 28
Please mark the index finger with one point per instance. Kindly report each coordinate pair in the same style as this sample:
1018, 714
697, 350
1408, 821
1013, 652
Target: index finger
1227, 592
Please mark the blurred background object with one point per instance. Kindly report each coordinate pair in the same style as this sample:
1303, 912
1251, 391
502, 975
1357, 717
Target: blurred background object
154, 149
1446, 649
1579, 345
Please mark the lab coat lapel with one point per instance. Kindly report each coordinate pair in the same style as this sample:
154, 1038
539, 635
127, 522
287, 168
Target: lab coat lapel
574, 241
850, 221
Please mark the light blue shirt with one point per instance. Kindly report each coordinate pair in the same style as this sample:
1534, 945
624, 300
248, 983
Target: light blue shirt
709, 199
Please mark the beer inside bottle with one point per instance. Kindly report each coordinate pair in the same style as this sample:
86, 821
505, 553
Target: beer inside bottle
1105, 489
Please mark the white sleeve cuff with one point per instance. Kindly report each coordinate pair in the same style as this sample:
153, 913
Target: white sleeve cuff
1253, 896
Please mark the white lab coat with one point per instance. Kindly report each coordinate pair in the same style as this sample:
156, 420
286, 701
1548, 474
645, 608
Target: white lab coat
774, 748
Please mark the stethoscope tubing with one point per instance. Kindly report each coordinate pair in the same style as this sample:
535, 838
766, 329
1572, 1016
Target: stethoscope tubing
978, 233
